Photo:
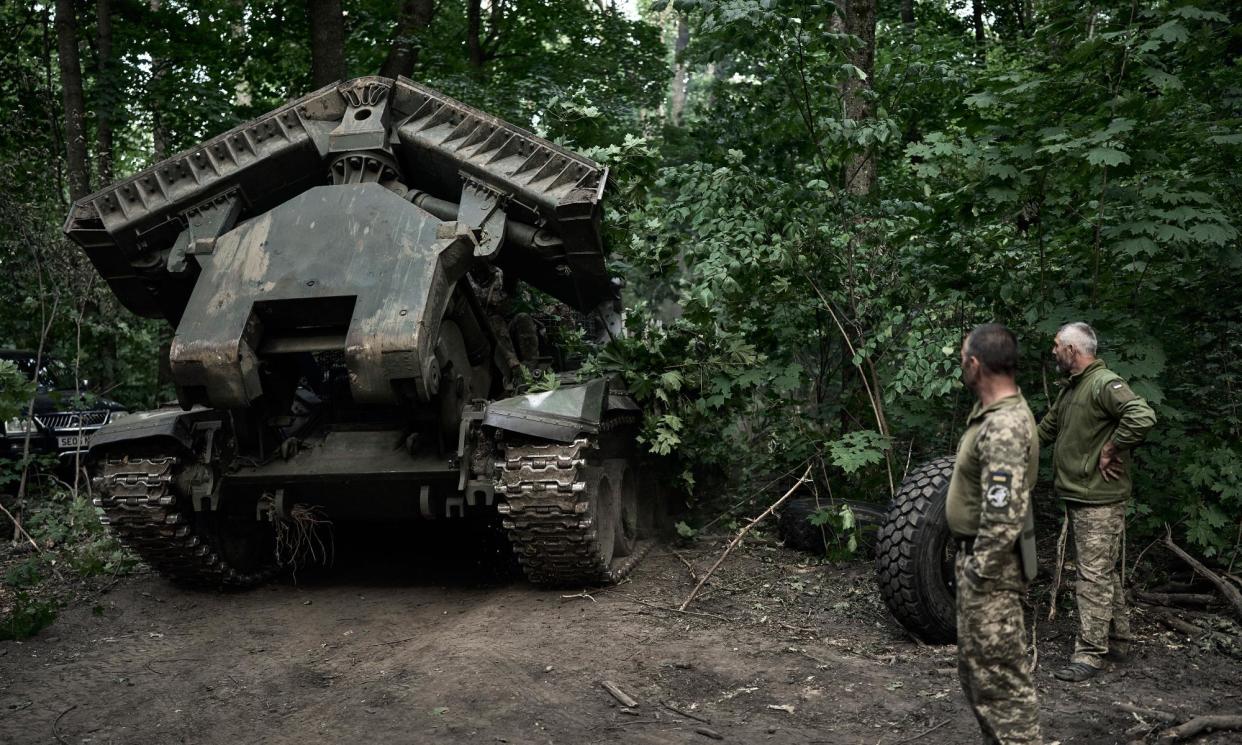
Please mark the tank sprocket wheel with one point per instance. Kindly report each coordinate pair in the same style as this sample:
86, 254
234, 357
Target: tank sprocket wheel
914, 555
137, 496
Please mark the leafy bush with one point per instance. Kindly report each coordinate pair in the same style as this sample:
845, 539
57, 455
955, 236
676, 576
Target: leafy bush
70, 526
28, 617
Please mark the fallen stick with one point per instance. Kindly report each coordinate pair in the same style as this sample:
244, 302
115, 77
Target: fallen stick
1163, 716
1035, 637
1176, 587
711, 733
924, 733
742, 534
18, 526
1056, 577
1201, 724
621, 696
1231, 593
686, 714
1179, 624
1175, 599
1192, 630
670, 609
689, 567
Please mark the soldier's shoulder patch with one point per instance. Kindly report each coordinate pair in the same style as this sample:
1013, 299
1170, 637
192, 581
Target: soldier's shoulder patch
1000, 487
1119, 391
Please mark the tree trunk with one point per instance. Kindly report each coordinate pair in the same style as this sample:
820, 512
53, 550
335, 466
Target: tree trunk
681, 74
327, 40
155, 93
74, 100
907, 13
103, 118
860, 22
415, 16
49, 99
474, 27
976, 11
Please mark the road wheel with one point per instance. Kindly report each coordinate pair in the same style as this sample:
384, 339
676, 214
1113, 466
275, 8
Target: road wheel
914, 555
627, 507
602, 512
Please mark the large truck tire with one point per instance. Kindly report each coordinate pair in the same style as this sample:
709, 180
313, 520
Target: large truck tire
914, 555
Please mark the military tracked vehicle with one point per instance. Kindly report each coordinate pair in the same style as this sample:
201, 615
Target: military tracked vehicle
342, 275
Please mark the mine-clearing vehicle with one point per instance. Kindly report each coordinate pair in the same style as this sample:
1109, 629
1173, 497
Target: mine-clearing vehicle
345, 276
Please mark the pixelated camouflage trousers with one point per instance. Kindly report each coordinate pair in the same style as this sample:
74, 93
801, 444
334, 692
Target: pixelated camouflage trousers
991, 656
1102, 612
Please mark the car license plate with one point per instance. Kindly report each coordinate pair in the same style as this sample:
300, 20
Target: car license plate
74, 441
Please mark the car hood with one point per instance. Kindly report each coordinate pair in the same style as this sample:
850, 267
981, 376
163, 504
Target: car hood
47, 402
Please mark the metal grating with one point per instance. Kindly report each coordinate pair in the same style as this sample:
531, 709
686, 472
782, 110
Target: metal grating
77, 420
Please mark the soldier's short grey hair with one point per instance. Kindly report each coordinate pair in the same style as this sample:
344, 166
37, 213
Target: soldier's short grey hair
1080, 336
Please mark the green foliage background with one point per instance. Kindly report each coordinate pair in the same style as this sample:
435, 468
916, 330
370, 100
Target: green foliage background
1081, 165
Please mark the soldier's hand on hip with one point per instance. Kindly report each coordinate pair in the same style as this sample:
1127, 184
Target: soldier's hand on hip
1110, 462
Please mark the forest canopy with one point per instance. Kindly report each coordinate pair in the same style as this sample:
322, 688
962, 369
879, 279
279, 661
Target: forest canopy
811, 202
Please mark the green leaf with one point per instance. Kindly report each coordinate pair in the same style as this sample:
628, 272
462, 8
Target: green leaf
1137, 247
1213, 233
1106, 156
858, 449
1162, 79
1171, 31
1199, 14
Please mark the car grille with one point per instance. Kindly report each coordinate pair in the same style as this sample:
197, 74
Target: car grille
77, 420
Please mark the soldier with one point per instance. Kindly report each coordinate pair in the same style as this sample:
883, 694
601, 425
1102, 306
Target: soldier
988, 510
1094, 422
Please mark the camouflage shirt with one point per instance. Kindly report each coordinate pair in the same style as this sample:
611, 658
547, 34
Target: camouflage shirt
990, 492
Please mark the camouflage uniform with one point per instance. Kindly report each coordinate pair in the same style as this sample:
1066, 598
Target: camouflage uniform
1095, 407
989, 498
1102, 611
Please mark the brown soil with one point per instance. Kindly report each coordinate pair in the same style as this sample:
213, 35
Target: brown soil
778, 649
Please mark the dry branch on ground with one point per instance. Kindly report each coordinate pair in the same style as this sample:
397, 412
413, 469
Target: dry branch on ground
1231, 593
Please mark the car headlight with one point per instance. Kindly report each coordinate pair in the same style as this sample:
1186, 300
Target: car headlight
20, 426
117, 416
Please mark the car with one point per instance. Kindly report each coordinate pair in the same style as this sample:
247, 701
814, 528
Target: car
59, 426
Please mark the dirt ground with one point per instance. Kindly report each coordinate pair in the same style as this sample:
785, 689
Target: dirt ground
423, 648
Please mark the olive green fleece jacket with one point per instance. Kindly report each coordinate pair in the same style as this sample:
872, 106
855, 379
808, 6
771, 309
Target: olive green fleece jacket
1094, 407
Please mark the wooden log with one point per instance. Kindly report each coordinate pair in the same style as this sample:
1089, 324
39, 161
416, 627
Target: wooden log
1175, 599
1201, 724
621, 696
1231, 593
1193, 631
